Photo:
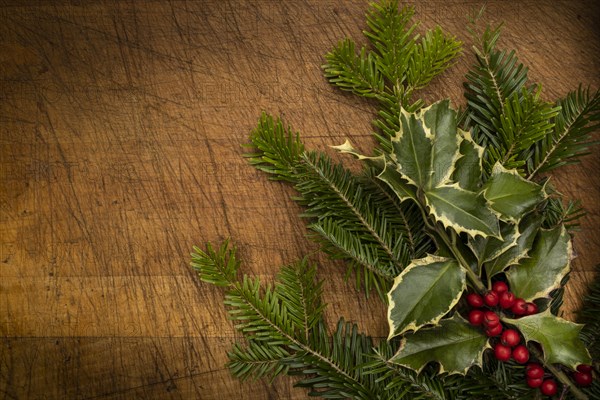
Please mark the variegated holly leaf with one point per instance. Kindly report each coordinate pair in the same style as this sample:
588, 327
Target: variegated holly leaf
511, 195
545, 267
395, 181
423, 293
426, 147
558, 337
454, 344
528, 229
489, 248
388, 173
468, 169
462, 210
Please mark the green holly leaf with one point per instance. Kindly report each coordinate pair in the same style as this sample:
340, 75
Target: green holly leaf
545, 267
423, 293
454, 344
462, 210
558, 337
510, 194
426, 147
528, 229
468, 169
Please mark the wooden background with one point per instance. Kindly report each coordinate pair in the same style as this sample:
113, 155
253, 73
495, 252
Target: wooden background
121, 130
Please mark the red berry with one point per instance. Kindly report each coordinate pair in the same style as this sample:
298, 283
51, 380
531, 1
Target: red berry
534, 371
491, 299
494, 330
531, 308
502, 352
534, 382
549, 387
500, 287
582, 378
475, 300
510, 338
520, 354
584, 368
507, 299
519, 307
476, 317
490, 319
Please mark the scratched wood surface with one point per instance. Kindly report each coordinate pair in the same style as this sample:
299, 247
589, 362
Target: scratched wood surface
121, 130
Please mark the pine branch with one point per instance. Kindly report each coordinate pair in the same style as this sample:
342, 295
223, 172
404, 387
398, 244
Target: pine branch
570, 139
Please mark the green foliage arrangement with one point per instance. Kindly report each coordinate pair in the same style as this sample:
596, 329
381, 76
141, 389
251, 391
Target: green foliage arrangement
450, 222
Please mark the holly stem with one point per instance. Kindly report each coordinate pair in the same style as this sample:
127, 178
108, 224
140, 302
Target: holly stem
560, 375
473, 278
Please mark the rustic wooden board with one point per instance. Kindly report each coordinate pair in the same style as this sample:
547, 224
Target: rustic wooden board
121, 131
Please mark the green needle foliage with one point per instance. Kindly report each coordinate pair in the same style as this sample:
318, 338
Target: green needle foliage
508, 118
436, 210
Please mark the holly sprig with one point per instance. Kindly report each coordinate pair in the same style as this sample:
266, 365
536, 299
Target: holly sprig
449, 222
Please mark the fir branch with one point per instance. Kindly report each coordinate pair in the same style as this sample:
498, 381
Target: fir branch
525, 120
434, 54
496, 77
255, 361
392, 36
329, 191
286, 332
355, 73
400, 382
406, 216
218, 267
277, 149
571, 137
335, 191
336, 371
589, 314
341, 243
556, 213
300, 294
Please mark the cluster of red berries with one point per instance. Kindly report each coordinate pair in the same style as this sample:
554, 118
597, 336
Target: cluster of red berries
509, 346
534, 374
510, 339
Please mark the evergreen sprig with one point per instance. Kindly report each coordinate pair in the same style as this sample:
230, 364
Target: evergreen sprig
570, 139
285, 330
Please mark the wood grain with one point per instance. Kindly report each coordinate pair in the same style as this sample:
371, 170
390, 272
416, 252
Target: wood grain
121, 130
